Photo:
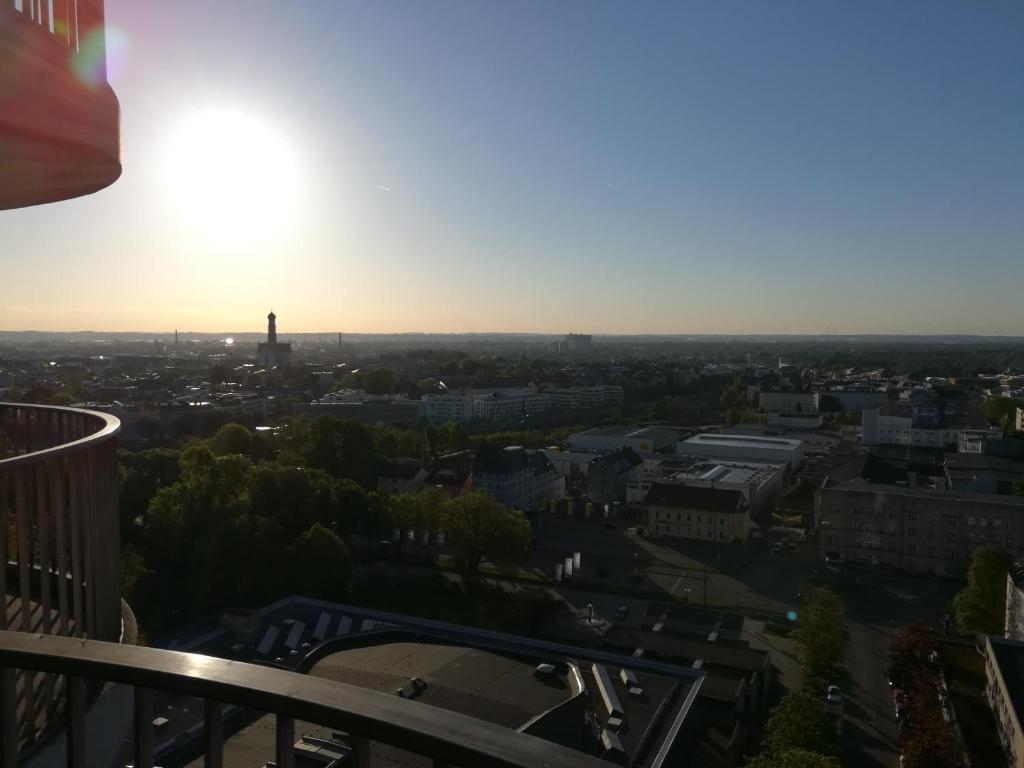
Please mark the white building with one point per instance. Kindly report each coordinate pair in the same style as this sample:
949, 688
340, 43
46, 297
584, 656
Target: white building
1020, 420
774, 450
759, 482
608, 439
597, 396
450, 406
507, 404
892, 429
518, 479
788, 402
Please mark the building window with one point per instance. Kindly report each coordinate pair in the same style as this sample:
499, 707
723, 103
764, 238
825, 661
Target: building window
911, 549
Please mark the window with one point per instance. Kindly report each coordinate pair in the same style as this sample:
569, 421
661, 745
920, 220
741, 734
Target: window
911, 549
950, 520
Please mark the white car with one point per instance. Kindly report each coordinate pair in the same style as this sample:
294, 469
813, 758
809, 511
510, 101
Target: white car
833, 696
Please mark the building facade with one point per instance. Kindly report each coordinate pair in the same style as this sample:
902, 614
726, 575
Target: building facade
272, 353
774, 450
609, 475
914, 529
1004, 680
698, 513
517, 478
788, 402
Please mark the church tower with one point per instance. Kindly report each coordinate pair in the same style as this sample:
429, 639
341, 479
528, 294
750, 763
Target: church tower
272, 328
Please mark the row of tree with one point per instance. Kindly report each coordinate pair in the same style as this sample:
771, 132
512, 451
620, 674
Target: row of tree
800, 732
928, 740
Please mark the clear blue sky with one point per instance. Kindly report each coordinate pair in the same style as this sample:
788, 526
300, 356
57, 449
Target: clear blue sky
562, 165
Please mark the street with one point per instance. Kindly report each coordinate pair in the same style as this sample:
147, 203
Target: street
756, 580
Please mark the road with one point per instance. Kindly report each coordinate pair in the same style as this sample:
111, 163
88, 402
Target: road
870, 734
758, 580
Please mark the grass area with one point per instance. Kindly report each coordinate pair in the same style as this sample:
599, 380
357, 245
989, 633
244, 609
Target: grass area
965, 673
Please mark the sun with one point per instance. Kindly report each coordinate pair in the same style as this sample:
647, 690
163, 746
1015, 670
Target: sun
232, 177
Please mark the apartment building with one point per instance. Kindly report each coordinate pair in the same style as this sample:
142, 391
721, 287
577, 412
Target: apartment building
610, 475
576, 398
694, 512
518, 478
927, 530
450, 406
1004, 686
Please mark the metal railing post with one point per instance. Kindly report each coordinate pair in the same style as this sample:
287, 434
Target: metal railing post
74, 688
285, 738
143, 728
213, 733
8, 718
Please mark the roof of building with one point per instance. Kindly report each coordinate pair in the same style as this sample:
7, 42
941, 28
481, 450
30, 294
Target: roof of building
621, 460
495, 460
863, 486
741, 441
702, 497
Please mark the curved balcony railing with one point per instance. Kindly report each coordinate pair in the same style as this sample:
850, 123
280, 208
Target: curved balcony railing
59, 537
59, 119
364, 716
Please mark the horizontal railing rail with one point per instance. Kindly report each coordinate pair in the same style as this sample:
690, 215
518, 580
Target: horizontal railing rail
366, 716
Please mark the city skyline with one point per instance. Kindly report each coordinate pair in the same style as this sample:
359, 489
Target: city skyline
586, 167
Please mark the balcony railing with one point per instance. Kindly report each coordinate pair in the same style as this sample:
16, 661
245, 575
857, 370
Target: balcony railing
59, 119
364, 716
59, 538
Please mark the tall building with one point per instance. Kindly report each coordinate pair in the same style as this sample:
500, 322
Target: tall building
272, 352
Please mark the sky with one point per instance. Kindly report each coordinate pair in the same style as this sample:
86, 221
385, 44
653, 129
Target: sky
547, 166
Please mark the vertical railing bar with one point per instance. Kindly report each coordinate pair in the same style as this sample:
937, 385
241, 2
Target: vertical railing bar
4, 523
88, 520
74, 688
143, 728
24, 550
60, 524
8, 718
213, 733
43, 500
285, 742
360, 751
75, 509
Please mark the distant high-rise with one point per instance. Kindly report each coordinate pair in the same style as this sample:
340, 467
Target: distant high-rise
273, 353
578, 342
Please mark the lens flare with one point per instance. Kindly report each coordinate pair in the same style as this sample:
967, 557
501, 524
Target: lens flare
99, 56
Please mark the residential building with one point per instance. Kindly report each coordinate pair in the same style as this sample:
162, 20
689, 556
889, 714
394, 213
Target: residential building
694, 512
982, 473
578, 342
1013, 628
518, 478
774, 450
788, 402
922, 425
609, 475
795, 420
1004, 688
449, 406
922, 529
596, 396
501, 405
1019, 420
402, 476
856, 401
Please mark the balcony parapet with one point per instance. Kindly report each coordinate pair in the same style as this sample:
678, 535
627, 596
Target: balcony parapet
366, 716
59, 119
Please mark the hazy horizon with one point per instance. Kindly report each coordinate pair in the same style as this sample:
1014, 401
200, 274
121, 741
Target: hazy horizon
730, 168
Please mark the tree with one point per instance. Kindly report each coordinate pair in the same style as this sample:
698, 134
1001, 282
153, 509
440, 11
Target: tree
829, 404
732, 416
319, 564
477, 528
800, 722
981, 605
381, 381
820, 636
913, 653
794, 758
231, 438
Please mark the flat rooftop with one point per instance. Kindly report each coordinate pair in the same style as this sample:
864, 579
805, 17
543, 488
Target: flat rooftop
742, 441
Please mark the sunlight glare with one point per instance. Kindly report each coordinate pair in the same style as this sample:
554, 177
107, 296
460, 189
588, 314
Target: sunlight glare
232, 177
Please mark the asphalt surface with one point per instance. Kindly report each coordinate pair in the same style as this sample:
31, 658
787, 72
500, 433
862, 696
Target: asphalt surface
756, 579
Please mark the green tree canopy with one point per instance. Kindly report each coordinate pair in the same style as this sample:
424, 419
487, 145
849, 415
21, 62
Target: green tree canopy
800, 722
231, 438
478, 528
981, 605
794, 758
821, 635
380, 381
319, 564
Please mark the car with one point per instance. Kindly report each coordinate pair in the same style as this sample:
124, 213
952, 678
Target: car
834, 696
621, 612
